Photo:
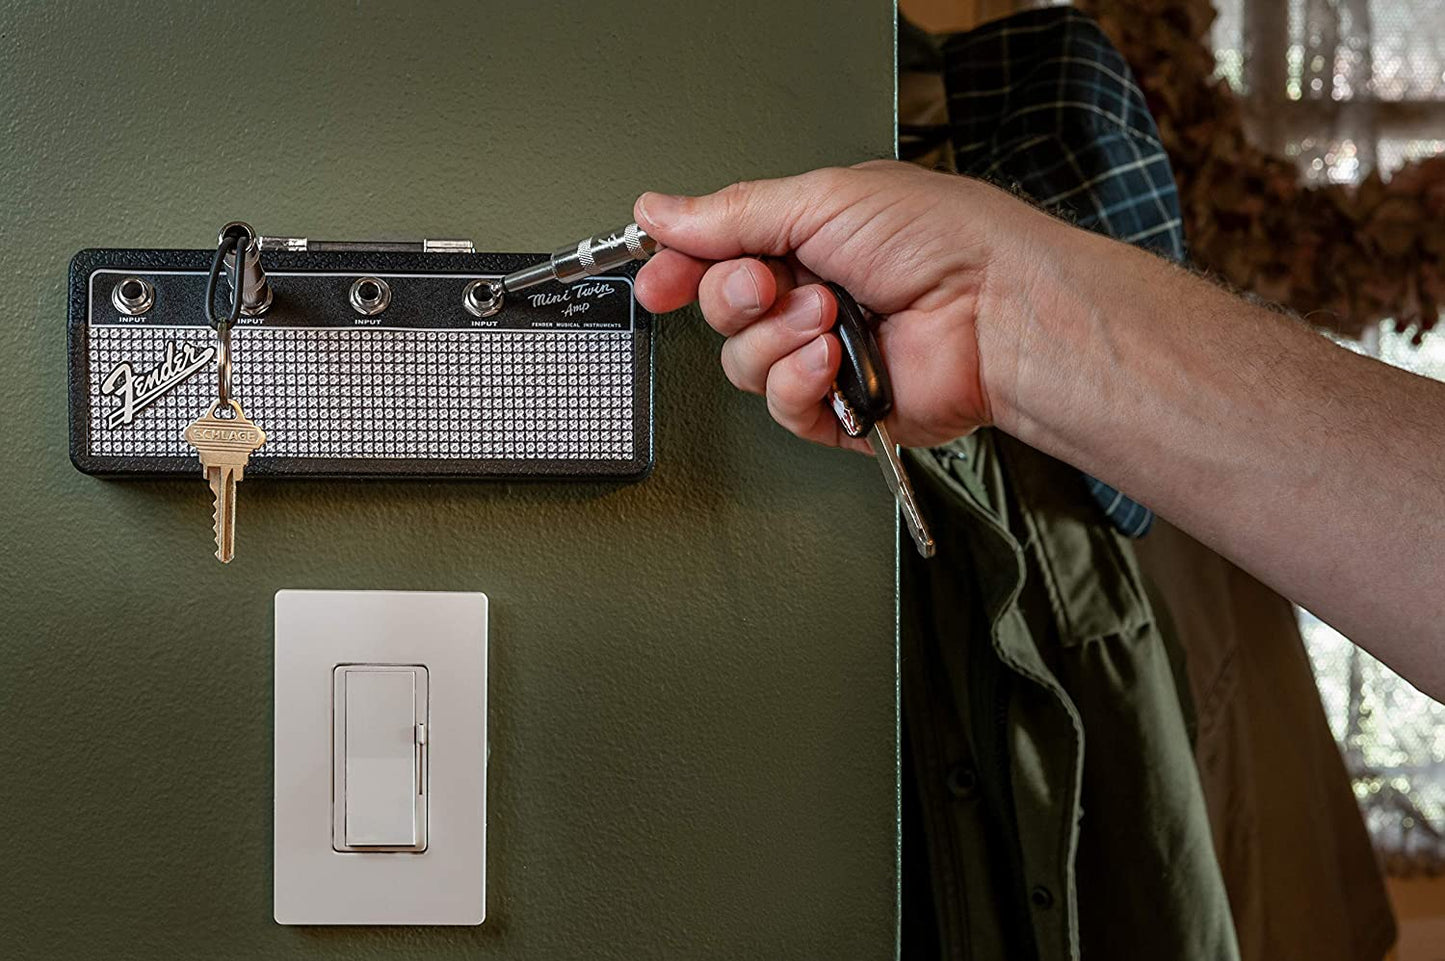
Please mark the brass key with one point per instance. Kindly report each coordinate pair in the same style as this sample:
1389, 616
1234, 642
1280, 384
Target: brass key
224, 445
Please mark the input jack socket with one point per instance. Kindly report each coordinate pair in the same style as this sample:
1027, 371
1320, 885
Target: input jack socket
483, 298
370, 296
133, 296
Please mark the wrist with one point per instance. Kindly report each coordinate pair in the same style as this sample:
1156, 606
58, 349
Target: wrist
1091, 342
1036, 304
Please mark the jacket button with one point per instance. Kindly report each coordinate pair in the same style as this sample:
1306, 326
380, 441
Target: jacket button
1042, 897
962, 781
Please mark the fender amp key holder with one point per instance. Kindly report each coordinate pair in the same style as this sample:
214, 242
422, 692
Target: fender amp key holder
365, 360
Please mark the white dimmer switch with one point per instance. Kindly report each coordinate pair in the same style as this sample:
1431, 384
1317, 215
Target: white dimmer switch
381, 757
378, 784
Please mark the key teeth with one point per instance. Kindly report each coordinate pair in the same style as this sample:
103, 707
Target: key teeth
216, 526
216, 523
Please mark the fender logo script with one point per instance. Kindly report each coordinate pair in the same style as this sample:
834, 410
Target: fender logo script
136, 392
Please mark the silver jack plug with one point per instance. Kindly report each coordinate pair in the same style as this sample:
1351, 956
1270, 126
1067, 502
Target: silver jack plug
482, 298
586, 258
255, 292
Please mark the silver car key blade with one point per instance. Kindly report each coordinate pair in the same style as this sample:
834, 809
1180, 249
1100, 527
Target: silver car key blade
897, 479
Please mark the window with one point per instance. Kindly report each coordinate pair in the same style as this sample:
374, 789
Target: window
1347, 87
1391, 735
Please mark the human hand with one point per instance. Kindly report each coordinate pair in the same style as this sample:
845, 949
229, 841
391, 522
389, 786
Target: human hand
932, 254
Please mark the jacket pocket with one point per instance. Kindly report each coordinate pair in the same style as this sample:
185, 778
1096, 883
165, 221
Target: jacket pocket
1087, 569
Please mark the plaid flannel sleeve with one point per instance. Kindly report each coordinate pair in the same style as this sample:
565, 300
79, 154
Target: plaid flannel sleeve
1042, 103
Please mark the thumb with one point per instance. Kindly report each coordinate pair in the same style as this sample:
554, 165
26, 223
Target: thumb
755, 217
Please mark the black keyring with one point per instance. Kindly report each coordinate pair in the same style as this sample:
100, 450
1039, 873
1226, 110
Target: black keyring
227, 243
221, 326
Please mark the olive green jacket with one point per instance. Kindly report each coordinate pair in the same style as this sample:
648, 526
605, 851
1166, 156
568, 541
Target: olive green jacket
1054, 809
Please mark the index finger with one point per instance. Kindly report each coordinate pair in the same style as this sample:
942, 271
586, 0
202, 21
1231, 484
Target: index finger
669, 281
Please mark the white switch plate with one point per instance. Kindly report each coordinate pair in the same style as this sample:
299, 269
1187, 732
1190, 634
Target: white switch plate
444, 882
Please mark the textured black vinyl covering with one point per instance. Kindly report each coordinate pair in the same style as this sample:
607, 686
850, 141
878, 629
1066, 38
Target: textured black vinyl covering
325, 305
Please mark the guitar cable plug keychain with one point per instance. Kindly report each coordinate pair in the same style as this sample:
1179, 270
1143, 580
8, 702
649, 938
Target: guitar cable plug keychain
862, 394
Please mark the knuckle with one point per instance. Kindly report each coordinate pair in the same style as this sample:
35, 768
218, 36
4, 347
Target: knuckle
711, 312
829, 180
803, 422
743, 207
709, 297
722, 318
782, 415
885, 166
737, 372
736, 198
783, 390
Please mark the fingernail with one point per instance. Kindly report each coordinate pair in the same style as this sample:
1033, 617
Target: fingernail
815, 355
740, 290
660, 210
805, 311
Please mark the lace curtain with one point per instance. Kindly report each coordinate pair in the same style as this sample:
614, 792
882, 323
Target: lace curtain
1346, 87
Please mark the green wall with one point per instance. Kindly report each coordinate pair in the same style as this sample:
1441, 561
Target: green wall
693, 701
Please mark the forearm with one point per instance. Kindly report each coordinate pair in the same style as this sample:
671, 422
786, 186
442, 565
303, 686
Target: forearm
1320, 471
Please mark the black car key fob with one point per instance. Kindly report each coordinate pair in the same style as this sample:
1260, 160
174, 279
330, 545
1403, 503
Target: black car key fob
862, 396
